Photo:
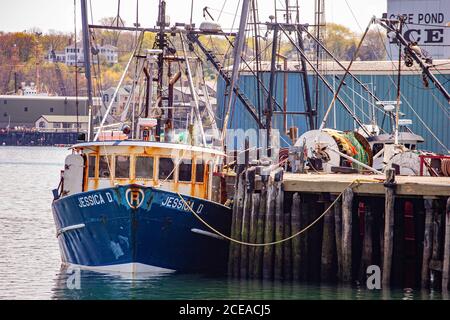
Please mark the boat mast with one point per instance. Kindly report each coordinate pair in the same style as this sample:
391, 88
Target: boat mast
87, 63
161, 39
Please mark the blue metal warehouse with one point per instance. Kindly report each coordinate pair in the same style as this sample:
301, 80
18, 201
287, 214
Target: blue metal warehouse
426, 107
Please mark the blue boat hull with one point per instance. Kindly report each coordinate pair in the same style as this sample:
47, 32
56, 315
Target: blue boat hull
141, 229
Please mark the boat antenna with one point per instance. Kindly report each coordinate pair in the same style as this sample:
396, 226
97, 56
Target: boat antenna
87, 62
192, 12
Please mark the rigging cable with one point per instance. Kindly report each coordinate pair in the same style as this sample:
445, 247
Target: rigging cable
415, 113
393, 82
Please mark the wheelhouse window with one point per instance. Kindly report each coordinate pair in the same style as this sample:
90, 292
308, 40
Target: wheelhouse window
91, 164
200, 171
103, 167
144, 167
166, 169
122, 170
185, 171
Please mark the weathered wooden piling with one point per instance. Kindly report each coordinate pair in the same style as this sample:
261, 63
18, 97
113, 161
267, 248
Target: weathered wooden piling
296, 227
238, 207
367, 245
314, 238
347, 207
436, 262
279, 224
305, 251
446, 262
328, 243
337, 211
427, 243
245, 230
287, 245
253, 230
388, 226
259, 251
269, 231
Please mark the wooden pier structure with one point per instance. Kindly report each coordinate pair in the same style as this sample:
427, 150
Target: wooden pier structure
330, 227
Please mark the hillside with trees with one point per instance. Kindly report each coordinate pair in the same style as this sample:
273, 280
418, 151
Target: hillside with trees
23, 55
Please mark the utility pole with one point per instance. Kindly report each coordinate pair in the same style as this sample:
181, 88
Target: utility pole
87, 63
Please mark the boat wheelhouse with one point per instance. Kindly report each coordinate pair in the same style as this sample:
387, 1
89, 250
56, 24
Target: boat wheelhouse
171, 167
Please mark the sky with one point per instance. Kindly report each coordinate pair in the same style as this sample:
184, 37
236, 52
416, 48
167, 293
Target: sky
20, 15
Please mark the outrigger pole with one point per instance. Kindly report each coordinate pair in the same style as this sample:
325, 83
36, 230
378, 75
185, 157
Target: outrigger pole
341, 83
240, 40
87, 63
327, 84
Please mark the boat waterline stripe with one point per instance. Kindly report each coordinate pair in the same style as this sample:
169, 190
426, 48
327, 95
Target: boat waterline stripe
69, 228
125, 268
206, 233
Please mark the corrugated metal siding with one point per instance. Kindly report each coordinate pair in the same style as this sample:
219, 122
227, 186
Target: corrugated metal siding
433, 110
429, 105
241, 119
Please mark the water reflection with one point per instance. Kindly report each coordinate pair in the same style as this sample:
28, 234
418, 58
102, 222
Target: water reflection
180, 286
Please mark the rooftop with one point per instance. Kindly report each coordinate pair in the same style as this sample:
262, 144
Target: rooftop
66, 119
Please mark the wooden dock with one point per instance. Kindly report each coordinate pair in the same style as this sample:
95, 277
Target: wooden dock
336, 183
332, 227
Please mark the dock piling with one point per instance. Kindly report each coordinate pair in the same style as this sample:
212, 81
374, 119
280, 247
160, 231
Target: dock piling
279, 225
388, 226
337, 211
296, 227
427, 243
259, 251
248, 197
347, 208
269, 231
367, 245
253, 232
328, 244
446, 264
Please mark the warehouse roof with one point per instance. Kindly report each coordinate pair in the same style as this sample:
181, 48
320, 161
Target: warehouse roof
358, 67
66, 119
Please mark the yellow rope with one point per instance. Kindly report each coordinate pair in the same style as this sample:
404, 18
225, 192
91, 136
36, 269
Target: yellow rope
351, 185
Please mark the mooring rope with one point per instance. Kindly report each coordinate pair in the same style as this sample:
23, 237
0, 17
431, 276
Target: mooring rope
352, 185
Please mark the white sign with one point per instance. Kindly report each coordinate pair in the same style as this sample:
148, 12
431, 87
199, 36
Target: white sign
427, 22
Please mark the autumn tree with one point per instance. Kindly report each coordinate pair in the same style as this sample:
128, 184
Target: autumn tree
373, 47
340, 40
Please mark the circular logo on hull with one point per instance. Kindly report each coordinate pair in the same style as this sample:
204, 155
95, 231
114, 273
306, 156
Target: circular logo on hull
134, 197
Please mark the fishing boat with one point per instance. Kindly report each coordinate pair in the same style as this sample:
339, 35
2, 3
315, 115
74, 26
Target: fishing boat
139, 198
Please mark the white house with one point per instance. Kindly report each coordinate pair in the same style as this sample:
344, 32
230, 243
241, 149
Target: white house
56, 56
73, 55
120, 102
62, 123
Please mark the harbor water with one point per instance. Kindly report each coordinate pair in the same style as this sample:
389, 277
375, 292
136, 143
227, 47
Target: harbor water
30, 266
